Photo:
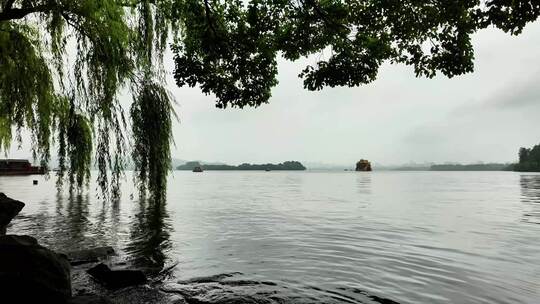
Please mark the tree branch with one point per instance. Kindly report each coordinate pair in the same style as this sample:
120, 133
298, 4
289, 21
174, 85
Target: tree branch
209, 18
134, 4
329, 22
73, 24
8, 5
19, 13
336, 26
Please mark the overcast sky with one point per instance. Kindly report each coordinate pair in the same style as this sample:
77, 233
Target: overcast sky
483, 116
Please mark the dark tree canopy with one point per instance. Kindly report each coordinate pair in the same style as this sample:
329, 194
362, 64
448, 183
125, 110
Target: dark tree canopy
230, 48
529, 159
64, 63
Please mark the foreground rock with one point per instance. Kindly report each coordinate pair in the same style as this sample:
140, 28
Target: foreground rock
89, 299
31, 273
148, 293
89, 255
9, 208
144, 294
116, 278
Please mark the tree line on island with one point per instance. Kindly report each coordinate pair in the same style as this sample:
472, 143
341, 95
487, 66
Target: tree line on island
529, 160
285, 166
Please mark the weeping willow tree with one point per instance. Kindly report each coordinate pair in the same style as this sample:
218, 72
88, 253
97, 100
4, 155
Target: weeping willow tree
151, 115
64, 63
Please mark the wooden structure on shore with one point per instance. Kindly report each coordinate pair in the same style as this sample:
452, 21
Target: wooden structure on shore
19, 167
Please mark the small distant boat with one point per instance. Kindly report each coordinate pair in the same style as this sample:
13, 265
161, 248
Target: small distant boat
267, 170
197, 169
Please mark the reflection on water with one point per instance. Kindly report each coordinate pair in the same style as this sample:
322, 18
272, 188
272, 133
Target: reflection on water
313, 237
530, 196
74, 218
82, 221
363, 181
226, 289
150, 235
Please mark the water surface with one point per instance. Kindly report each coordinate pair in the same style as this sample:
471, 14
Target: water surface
314, 237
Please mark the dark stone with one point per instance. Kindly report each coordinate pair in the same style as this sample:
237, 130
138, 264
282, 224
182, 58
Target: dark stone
144, 294
89, 255
89, 299
30, 273
116, 278
9, 208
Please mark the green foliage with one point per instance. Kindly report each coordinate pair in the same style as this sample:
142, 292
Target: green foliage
74, 97
529, 160
26, 87
152, 133
228, 48
74, 145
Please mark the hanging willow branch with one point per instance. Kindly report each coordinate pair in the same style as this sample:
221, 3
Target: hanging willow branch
117, 45
75, 145
152, 135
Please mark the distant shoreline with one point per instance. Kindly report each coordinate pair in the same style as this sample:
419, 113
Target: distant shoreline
285, 166
473, 167
453, 167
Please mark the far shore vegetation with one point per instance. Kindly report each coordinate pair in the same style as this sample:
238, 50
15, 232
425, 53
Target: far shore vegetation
286, 166
455, 167
471, 167
529, 160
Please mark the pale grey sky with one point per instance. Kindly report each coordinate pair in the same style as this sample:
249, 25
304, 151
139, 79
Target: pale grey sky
483, 116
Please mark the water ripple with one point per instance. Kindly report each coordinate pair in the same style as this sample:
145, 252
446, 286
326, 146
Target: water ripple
314, 237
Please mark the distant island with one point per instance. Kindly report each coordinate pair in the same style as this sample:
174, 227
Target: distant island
286, 166
363, 165
471, 167
529, 160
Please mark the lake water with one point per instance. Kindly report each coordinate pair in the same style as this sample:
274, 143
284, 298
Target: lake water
315, 237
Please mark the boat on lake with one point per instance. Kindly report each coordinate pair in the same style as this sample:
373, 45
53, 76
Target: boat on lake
19, 167
197, 169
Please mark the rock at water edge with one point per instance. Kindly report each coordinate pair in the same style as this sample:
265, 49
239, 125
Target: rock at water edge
89, 255
116, 278
9, 208
31, 273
